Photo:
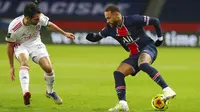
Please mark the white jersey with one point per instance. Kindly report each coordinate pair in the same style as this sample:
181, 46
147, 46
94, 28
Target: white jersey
26, 35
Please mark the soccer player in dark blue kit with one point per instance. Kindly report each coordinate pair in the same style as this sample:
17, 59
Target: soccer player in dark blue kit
129, 32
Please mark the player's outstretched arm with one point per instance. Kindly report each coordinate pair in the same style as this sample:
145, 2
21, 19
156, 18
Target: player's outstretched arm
93, 37
156, 23
10, 52
54, 27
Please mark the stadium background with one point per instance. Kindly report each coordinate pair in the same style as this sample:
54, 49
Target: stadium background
84, 73
179, 21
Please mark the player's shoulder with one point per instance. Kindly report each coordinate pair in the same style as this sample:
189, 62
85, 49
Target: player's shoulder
43, 20
130, 19
42, 15
133, 16
15, 24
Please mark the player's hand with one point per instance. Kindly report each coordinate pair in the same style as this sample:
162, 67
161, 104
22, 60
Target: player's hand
159, 42
12, 73
89, 36
93, 37
69, 35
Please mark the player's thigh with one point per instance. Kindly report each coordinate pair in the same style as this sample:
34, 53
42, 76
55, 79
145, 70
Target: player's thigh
125, 68
148, 55
129, 66
39, 53
22, 55
41, 57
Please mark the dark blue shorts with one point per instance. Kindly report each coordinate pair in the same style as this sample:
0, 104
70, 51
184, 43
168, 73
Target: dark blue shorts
133, 60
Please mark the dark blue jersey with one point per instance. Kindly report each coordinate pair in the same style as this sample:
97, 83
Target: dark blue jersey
131, 33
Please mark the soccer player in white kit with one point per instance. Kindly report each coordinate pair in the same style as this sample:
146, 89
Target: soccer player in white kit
24, 41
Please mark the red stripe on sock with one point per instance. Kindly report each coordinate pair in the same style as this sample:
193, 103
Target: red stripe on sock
121, 87
24, 69
155, 76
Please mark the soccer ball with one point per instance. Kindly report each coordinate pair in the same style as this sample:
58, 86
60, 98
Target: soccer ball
159, 104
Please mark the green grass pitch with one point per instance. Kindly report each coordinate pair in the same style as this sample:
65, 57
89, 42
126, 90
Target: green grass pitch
84, 80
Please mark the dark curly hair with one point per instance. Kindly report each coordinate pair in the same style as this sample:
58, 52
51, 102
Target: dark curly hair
30, 10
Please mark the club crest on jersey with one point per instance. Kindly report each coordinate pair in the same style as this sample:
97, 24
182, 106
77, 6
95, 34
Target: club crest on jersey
27, 37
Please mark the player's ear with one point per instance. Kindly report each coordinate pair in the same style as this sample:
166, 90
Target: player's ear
28, 18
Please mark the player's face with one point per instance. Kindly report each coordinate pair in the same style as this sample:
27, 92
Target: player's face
113, 19
35, 19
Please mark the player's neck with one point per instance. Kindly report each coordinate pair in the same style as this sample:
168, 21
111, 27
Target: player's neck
120, 22
25, 22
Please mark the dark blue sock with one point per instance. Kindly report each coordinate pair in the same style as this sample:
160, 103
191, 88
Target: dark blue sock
120, 85
153, 73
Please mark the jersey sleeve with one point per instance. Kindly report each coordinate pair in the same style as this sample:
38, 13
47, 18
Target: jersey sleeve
104, 32
139, 20
44, 20
145, 21
11, 34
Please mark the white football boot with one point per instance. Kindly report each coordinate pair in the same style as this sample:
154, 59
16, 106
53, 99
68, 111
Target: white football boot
168, 93
122, 106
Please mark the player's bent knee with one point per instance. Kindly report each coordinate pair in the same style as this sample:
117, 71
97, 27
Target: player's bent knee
50, 73
125, 69
144, 61
24, 63
48, 70
118, 72
143, 65
122, 72
144, 58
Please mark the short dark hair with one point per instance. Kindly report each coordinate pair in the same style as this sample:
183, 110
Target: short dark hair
112, 8
30, 10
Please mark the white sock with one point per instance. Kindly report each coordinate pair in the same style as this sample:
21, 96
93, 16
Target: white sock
24, 78
49, 77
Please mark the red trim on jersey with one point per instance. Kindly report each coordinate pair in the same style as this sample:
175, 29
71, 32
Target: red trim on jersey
155, 76
16, 45
17, 26
122, 31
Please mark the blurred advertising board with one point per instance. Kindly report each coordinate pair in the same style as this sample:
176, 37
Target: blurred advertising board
82, 16
171, 38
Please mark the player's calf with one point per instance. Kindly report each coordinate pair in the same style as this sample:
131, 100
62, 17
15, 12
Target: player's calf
153, 73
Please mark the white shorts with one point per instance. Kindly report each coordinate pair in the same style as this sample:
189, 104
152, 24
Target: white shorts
35, 51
